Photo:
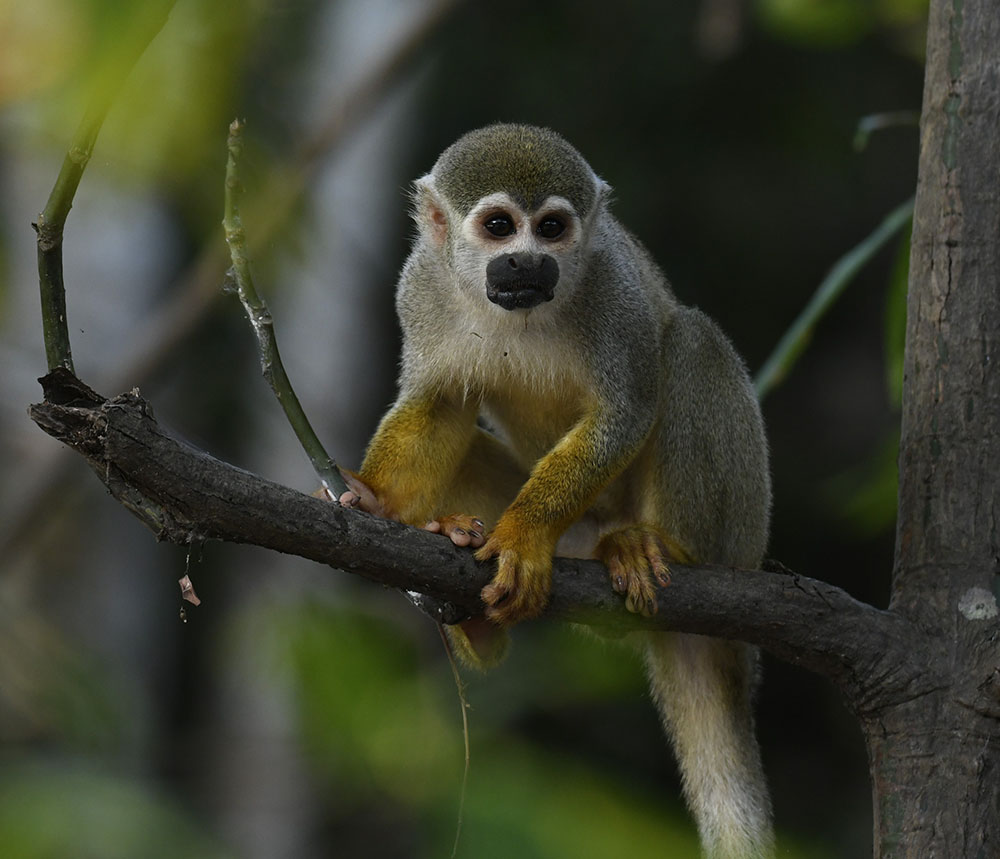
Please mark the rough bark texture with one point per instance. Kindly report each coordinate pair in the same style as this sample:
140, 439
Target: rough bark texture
936, 758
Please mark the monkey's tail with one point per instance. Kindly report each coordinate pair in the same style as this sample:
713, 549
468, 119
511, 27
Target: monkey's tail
478, 643
703, 688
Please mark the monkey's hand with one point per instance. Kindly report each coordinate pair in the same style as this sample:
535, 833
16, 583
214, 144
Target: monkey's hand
520, 588
636, 558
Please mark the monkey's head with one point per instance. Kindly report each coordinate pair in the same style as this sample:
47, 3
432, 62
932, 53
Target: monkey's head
510, 208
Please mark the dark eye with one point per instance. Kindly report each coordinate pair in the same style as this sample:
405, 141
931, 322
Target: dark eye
551, 227
500, 225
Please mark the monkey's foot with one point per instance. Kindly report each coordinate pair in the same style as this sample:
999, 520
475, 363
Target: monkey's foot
461, 529
360, 495
636, 558
520, 588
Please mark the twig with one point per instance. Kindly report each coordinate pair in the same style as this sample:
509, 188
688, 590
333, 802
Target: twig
263, 326
786, 353
52, 219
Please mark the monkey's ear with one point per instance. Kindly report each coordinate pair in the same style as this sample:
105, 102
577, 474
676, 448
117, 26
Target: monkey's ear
429, 210
604, 193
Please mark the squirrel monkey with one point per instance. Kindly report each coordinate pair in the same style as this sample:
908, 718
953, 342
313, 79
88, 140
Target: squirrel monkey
554, 388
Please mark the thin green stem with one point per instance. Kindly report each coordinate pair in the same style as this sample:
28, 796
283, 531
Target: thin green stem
792, 343
52, 220
263, 325
867, 125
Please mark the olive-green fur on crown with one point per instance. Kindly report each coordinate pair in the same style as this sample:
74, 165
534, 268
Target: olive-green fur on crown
525, 161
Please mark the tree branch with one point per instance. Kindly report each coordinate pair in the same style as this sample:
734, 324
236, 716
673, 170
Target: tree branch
184, 494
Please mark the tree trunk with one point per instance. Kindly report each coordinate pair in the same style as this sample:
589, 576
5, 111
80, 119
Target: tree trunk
935, 753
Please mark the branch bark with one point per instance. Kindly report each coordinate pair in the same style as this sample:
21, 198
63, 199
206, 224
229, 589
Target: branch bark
185, 495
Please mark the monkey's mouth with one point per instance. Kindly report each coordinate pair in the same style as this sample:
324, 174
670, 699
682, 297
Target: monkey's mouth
520, 280
519, 296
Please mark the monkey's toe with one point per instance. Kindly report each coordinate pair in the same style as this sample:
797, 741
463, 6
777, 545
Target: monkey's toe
461, 529
636, 559
361, 496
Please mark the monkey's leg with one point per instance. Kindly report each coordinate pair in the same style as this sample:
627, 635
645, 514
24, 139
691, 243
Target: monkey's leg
703, 689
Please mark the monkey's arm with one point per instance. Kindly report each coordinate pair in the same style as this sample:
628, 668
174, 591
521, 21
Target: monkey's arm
562, 485
415, 453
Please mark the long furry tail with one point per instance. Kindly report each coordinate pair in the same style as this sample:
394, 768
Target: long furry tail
703, 688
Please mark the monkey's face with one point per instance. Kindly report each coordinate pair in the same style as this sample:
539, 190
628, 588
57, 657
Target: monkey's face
520, 256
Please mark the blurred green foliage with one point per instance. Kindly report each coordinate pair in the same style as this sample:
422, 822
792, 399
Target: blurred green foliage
386, 721
156, 126
74, 812
356, 676
836, 23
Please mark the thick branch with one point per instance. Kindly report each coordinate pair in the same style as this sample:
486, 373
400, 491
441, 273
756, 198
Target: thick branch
184, 494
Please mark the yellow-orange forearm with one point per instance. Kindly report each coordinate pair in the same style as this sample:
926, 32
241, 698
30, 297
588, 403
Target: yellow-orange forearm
414, 454
565, 482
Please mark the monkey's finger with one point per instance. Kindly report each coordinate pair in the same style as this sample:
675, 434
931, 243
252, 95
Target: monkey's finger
619, 577
634, 601
503, 582
460, 537
493, 595
660, 568
526, 598
489, 549
462, 530
641, 598
477, 532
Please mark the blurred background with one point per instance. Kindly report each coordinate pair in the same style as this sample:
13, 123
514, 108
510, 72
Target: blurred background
301, 712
